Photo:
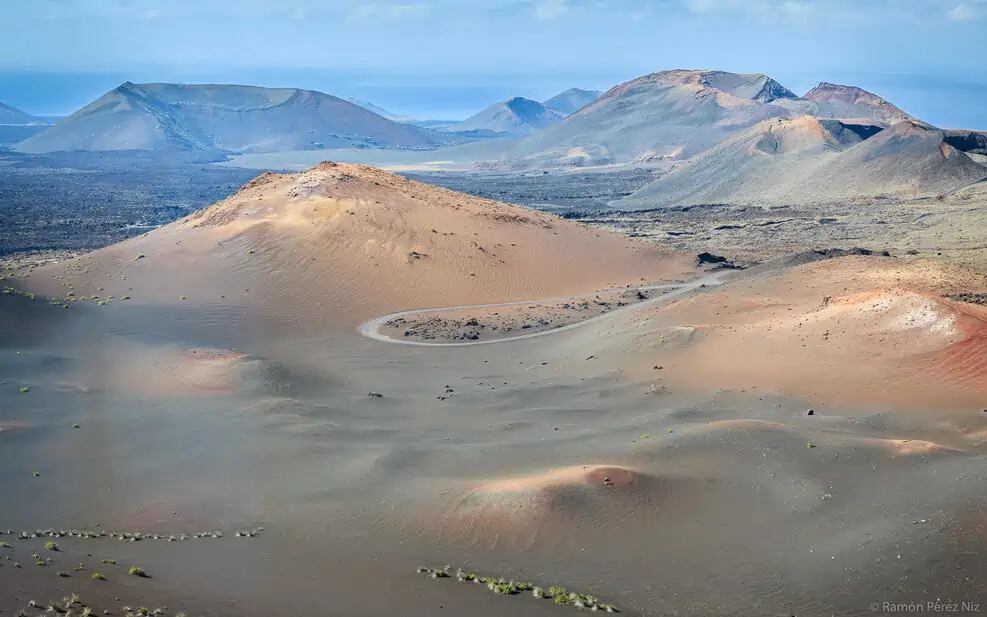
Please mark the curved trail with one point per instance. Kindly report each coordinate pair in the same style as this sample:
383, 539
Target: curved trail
371, 329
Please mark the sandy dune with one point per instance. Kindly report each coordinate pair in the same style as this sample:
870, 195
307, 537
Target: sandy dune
853, 330
337, 244
170, 371
523, 509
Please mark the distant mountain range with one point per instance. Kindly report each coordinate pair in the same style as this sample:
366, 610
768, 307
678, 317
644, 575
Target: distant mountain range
224, 118
675, 114
721, 137
664, 115
516, 116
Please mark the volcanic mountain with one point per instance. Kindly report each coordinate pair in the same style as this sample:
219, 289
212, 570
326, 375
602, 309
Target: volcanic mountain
571, 100
810, 160
338, 244
167, 117
671, 115
515, 116
846, 102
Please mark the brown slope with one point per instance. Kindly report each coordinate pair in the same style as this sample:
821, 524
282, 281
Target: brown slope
338, 244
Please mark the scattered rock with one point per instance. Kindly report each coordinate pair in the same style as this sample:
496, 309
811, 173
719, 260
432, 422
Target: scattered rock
969, 298
709, 258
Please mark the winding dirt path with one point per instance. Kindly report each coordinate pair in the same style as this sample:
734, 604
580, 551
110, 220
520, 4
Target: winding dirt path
372, 328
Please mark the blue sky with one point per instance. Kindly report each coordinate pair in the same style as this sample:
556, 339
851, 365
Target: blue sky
447, 58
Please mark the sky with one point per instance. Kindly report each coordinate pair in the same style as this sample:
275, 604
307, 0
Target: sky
447, 59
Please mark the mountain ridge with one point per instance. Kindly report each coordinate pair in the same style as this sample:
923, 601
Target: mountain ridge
814, 160
224, 118
675, 114
665, 115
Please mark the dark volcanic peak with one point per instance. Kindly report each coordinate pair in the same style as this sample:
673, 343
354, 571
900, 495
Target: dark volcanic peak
772, 90
754, 86
524, 107
228, 118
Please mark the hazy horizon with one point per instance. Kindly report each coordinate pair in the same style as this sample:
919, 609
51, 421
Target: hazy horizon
440, 59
